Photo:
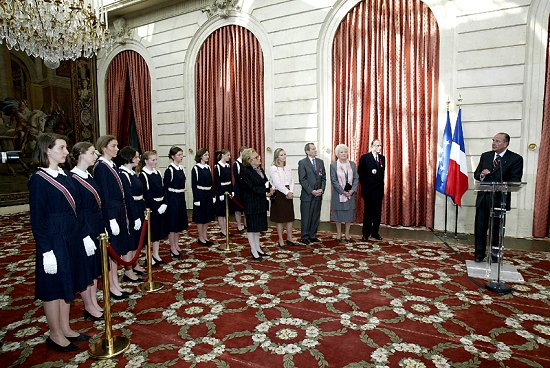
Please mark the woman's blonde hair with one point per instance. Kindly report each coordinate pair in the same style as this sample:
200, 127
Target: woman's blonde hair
247, 156
276, 157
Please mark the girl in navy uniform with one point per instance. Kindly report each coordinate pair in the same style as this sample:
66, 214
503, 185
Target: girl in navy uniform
55, 230
203, 199
153, 192
237, 168
87, 261
222, 178
115, 215
174, 186
128, 160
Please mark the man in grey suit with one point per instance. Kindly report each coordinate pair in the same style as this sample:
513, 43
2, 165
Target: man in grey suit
313, 179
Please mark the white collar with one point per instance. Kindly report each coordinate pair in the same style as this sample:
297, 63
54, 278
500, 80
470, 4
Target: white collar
148, 171
129, 171
223, 164
240, 160
177, 167
53, 172
108, 162
83, 174
203, 166
501, 154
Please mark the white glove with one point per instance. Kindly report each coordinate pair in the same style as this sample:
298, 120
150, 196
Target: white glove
222, 197
50, 263
162, 209
114, 227
213, 199
137, 224
198, 204
89, 245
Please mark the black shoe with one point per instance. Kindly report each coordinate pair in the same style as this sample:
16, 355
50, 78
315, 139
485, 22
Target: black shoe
494, 259
62, 349
174, 255
291, 243
479, 259
306, 241
257, 259
377, 237
315, 240
282, 246
126, 278
263, 254
78, 338
158, 261
122, 296
90, 317
202, 243
365, 237
209, 243
140, 273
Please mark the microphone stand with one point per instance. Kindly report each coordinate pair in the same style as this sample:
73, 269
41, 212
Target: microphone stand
498, 286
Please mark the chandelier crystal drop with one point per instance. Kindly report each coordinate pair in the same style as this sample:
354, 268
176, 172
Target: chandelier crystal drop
54, 30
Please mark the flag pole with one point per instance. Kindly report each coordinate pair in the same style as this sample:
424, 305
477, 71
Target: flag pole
459, 105
446, 196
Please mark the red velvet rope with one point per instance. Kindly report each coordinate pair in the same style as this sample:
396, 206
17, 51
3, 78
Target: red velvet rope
235, 201
116, 257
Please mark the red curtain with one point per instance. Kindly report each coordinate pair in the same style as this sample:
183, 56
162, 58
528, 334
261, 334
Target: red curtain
541, 214
230, 91
385, 85
129, 96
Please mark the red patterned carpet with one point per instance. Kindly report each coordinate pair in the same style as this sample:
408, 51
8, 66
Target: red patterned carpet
394, 303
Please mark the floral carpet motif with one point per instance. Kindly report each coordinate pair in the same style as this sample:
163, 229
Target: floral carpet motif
392, 303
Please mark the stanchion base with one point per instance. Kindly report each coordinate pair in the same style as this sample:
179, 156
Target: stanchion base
150, 286
100, 349
498, 287
222, 247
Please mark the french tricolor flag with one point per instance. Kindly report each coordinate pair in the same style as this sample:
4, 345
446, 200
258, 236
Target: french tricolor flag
457, 179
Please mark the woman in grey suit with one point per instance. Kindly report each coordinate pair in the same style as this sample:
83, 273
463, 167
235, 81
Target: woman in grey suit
344, 180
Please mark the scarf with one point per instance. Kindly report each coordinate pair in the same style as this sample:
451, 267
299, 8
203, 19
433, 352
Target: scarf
345, 174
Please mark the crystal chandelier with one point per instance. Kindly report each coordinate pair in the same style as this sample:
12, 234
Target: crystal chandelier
54, 30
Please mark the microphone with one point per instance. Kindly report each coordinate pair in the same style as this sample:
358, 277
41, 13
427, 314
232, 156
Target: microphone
9, 157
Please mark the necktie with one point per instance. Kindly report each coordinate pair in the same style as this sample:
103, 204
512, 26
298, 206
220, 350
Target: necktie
314, 166
496, 162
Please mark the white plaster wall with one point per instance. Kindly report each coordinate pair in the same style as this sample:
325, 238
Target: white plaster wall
490, 53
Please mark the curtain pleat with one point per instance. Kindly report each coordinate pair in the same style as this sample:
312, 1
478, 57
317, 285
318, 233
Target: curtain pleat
385, 80
129, 95
229, 91
115, 96
140, 92
541, 213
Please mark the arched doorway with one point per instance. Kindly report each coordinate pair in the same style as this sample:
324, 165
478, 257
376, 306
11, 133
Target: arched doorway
229, 74
128, 100
385, 85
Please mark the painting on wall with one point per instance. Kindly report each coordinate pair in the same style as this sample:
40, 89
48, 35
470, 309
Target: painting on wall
35, 99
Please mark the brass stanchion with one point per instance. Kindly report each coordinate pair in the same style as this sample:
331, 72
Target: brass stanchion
149, 285
109, 346
226, 221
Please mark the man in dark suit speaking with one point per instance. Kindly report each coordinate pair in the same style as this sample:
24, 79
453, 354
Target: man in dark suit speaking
313, 179
498, 165
371, 170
